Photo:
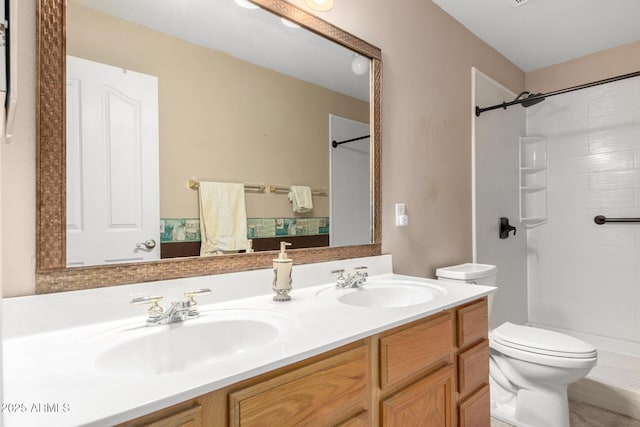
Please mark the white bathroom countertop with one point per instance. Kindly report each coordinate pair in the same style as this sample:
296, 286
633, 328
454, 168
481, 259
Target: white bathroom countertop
48, 382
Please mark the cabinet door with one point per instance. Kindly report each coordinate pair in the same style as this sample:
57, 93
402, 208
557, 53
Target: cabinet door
322, 393
428, 402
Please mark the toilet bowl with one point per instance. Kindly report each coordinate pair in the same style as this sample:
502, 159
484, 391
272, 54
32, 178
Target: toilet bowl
530, 368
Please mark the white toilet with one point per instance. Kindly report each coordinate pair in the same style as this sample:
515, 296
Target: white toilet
530, 368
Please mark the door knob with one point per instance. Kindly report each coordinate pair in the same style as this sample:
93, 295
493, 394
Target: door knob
147, 244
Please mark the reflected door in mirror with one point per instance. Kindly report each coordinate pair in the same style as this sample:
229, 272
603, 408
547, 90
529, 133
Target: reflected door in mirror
350, 178
112, 164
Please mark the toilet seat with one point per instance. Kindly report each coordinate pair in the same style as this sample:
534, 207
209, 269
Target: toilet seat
541, 341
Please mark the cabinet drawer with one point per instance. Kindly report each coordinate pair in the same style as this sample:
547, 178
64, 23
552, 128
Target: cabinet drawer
476, 410
428, 402
410, 350
322, 393
473, 367
473, 323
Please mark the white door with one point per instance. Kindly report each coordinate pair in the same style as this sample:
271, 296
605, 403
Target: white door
112, 165
350, 205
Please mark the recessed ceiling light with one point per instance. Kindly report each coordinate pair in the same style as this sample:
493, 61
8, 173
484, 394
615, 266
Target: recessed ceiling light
320, 5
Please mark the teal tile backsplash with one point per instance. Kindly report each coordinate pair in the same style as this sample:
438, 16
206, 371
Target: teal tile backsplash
179, 230
188, 229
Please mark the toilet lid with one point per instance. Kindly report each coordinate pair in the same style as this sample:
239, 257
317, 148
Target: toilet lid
467, 271
542, 341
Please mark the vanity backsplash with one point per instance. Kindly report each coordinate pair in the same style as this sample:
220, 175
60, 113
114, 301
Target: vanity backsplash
188, 229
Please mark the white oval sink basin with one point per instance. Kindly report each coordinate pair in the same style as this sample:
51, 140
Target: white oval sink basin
387, 294
213, 337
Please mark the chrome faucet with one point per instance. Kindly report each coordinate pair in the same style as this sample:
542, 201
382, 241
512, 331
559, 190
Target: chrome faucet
355, 280
178, 312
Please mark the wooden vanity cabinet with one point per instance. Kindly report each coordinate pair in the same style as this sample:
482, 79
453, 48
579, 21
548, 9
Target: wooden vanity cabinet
472, 385
432, 372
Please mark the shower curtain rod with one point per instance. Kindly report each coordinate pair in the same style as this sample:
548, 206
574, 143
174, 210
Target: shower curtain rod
336, 143
542, 96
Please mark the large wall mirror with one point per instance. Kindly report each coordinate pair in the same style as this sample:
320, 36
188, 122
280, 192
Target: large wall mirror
216, 91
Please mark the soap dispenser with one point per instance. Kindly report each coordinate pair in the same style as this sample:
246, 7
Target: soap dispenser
282, 274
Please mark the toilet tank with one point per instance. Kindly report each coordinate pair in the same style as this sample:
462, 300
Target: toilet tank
481, 274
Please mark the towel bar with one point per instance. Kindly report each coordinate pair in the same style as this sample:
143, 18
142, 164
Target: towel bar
194, 185
601, 219
284, 188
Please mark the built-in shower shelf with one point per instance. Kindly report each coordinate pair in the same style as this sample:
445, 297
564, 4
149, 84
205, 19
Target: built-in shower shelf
532, 170
533, 180
532, 189
532, 221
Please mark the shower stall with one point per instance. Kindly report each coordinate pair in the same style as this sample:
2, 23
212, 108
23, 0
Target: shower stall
579, 277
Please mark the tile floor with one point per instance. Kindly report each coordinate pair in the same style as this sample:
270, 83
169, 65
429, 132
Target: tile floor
583, 415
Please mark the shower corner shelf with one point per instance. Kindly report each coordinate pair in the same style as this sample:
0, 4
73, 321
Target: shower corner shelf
533, 180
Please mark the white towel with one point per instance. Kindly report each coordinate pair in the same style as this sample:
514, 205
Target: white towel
223, 218
301, 198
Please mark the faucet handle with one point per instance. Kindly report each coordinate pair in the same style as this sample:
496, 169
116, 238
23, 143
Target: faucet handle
155, 311
341, 281
191, 294
362, 270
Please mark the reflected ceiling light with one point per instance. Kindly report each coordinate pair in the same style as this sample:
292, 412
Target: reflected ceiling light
320, 5
360, 65
246, 4
289, 24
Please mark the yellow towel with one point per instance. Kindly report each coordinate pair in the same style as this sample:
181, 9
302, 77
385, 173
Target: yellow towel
223, 218
301, 198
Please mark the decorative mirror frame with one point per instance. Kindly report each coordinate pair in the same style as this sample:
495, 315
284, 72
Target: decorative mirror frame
52, 275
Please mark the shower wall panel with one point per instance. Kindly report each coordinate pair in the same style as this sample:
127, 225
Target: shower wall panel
582, 276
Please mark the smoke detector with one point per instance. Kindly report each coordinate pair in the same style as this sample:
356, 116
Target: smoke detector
517, 3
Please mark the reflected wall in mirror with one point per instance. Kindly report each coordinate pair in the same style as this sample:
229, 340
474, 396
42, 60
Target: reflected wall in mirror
220, 117
235, 95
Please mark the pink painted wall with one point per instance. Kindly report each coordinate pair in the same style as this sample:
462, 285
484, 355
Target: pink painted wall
597, 66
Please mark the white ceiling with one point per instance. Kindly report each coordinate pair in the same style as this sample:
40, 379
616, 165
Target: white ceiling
253, 35
539, 33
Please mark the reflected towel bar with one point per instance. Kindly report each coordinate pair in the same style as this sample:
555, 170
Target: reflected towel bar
194, 185
601, 219
284, 188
